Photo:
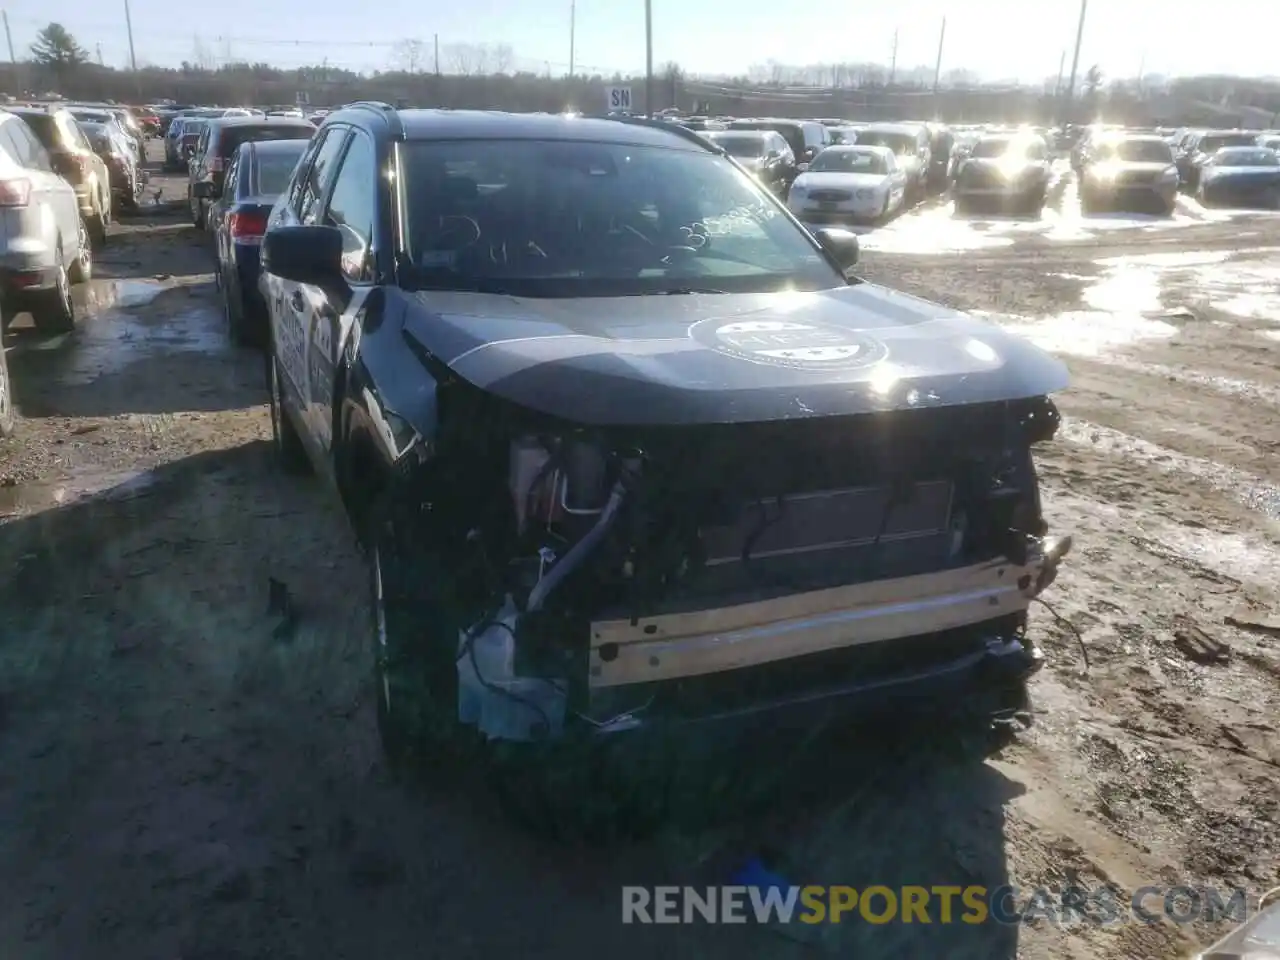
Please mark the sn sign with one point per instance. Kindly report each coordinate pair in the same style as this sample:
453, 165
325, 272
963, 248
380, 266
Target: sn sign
619, 98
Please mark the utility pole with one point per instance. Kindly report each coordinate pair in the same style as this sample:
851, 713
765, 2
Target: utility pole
436, 38
1075, 60
98, 48
8, 35
937, 66
1142, 69
573, 24
128, 23
648, 57
1062, 66
893, 59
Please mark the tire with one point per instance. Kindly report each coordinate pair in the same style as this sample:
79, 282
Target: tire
8, 416
197, 214
239, 331
413, 643
290, 451
82, 270
53, 310
883, 216
571, 788
98, 229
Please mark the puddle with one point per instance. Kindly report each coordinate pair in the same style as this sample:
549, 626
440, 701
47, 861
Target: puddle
1125, 303
112, 335
1254, 493
1084, 333
1229, 554
24, 499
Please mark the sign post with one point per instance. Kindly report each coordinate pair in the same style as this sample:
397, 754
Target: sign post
618, 99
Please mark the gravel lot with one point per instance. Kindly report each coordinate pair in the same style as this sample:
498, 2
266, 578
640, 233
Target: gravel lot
177, 782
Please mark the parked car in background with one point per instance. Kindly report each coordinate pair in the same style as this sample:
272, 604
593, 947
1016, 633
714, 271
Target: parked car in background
111, 118
74, 158
764, 153
173, 158
44, 243
219, 142
1010, 173
1201, 145
846, 134
910, 143
941, 140
1270, 141
1130, 173
849, 183
1240, 177
806, 138
123, 169
256, 175
147, 119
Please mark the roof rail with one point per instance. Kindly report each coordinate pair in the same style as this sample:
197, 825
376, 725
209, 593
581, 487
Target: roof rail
382, 107
670, 126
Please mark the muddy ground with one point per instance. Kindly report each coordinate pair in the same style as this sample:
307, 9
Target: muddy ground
177, 781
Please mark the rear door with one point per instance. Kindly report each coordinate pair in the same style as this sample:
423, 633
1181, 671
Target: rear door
287, 302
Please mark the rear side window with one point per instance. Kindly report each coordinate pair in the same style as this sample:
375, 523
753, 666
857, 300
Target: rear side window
10, 147
70, 132
273, 169
233, 137
42, 125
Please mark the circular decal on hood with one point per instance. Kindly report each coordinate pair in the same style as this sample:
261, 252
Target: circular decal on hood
802, 344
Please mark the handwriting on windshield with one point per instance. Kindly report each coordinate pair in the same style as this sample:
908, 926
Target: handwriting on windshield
747, 218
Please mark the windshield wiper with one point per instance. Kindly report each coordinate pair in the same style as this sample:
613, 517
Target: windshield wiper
685, 291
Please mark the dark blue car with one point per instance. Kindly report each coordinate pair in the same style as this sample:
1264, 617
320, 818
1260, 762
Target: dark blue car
1241, 177
256, 175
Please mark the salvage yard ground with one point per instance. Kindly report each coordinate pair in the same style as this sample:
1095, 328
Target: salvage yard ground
178, 780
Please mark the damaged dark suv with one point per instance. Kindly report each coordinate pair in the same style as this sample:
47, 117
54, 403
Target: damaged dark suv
626, 446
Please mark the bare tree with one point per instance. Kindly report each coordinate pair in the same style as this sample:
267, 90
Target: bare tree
503, 58
461, 59
409, 55
483, 59
202, 57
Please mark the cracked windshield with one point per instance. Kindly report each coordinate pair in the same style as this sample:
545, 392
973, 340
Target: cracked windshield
698, 482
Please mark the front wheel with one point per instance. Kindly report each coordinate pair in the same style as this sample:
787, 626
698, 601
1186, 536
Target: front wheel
288, 444
414, 640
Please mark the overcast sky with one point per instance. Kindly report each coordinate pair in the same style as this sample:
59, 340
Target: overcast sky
996, 38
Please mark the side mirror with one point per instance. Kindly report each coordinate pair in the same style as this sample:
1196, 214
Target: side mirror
204, 190
841, 245
801, 167
809, 154
309, 254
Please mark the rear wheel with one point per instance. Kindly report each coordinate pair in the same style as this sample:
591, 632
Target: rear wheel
82, 269
53, 310
289, 448
8, 416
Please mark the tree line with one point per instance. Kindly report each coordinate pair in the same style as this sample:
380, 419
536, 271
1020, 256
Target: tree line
487, 76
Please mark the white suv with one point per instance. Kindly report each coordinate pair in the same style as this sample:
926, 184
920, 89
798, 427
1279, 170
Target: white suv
44, 243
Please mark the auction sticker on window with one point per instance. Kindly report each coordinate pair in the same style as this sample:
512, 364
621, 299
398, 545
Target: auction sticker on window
800, 344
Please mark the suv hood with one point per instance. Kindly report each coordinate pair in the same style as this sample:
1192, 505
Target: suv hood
725, 358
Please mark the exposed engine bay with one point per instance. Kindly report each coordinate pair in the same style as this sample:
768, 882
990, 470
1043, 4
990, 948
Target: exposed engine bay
610, 576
